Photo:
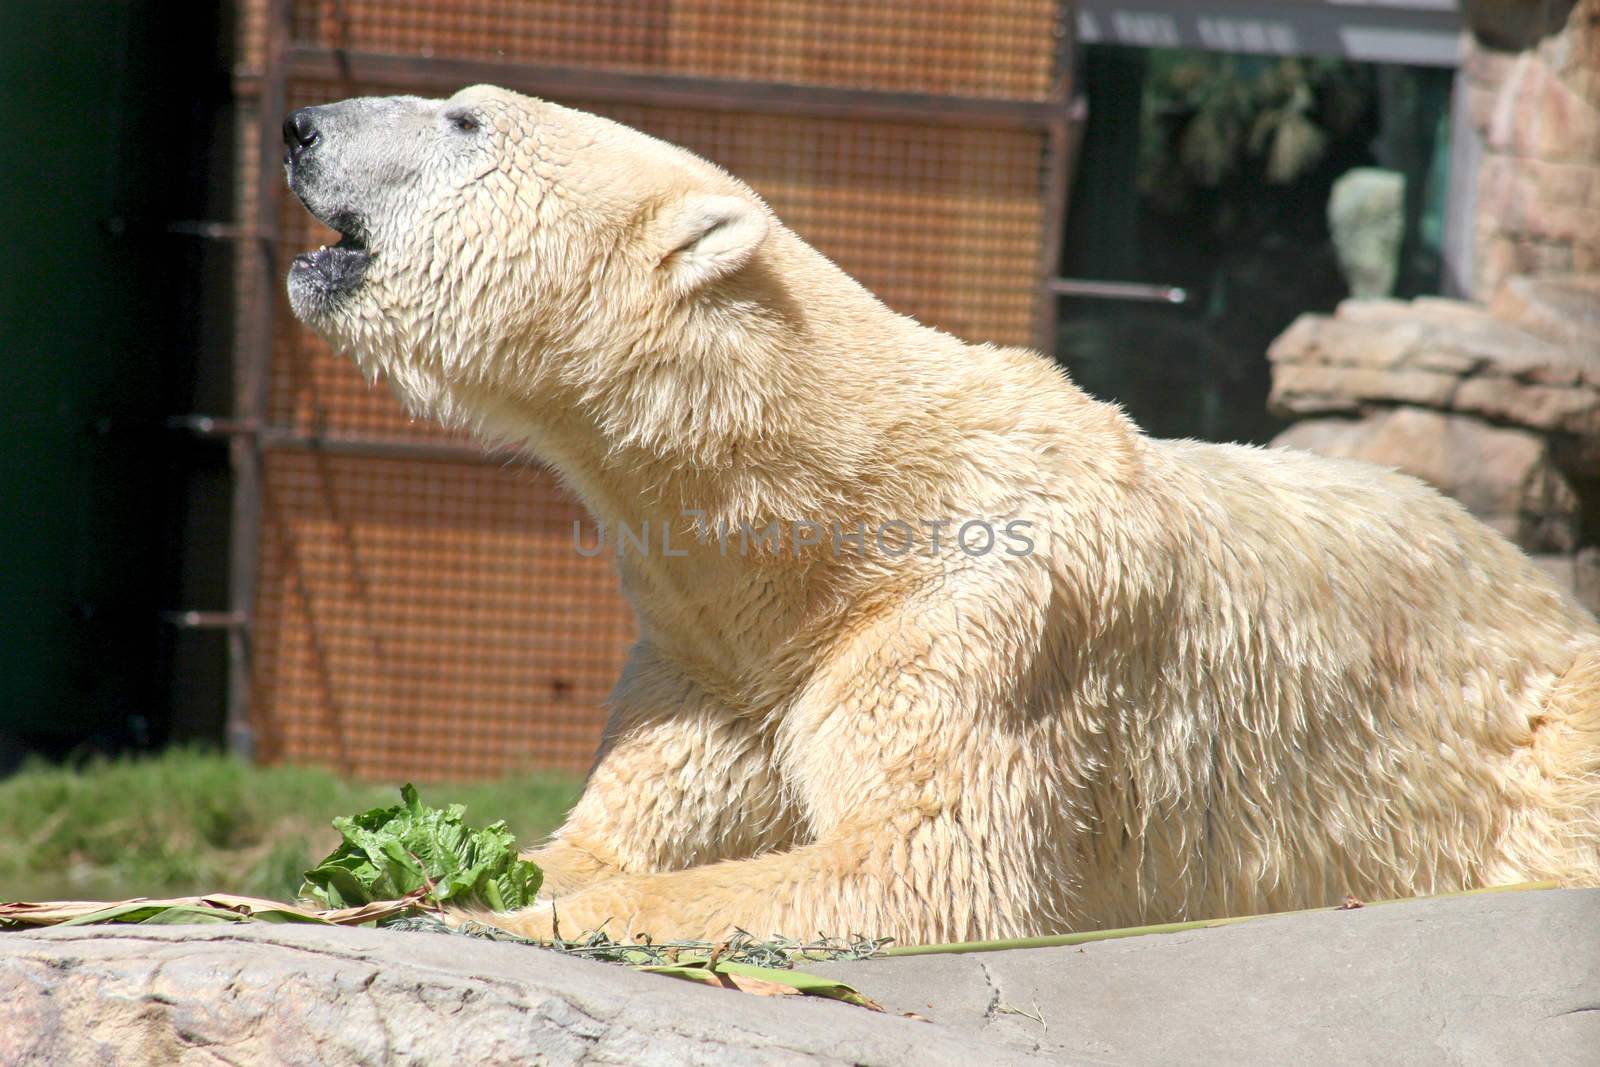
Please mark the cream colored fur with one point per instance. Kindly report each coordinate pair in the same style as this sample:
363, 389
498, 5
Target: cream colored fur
1227, 680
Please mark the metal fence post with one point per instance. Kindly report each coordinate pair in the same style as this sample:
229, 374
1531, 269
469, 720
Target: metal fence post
250, 380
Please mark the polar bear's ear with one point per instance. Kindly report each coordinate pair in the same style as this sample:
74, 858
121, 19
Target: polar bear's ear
705, 237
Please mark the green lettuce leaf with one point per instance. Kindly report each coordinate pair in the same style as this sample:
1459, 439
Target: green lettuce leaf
388, 853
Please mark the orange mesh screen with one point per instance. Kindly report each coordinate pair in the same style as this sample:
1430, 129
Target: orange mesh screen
430, 618
984, 48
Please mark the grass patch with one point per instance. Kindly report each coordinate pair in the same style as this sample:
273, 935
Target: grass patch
187, 822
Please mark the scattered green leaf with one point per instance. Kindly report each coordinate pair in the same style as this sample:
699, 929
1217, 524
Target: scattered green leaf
412, 849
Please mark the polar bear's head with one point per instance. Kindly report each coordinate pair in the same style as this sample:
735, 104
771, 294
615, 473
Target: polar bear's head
492, 239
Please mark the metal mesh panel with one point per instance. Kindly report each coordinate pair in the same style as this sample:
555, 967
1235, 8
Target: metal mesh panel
429, 618
984, 48
246, 118
251, 33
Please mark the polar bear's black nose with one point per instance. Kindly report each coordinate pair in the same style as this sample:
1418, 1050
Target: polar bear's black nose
299, 130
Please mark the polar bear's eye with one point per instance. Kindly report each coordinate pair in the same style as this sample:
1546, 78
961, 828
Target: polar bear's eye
464, 121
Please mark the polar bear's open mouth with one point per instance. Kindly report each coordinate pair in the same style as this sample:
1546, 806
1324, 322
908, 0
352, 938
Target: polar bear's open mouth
334, 270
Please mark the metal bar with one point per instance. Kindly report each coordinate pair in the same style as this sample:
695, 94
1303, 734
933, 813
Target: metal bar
1461, 198
227, 620
211, 231
250, 378
135, 226
390, 448
206, 620
438, 74
1161, 294
1061, 155
212, 425
343, 444
1384, 31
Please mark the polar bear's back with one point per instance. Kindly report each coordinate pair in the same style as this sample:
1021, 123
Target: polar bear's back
1357, 674
1359, 541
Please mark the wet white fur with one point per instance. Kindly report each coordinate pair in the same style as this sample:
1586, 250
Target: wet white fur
1228, 680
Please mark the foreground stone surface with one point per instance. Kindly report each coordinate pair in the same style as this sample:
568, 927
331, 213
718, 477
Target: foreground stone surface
1512, 978
330, 997
1508, 978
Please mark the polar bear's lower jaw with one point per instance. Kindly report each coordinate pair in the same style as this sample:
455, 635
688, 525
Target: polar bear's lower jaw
317, 279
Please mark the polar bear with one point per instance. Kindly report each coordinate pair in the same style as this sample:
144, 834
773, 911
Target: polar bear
932, 644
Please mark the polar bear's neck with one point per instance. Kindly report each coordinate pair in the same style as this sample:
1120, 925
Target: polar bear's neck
812, 402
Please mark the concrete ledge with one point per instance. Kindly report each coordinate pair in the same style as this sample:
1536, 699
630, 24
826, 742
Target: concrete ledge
1511, 978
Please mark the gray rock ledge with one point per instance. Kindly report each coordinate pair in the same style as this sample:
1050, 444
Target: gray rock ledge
1511, 978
